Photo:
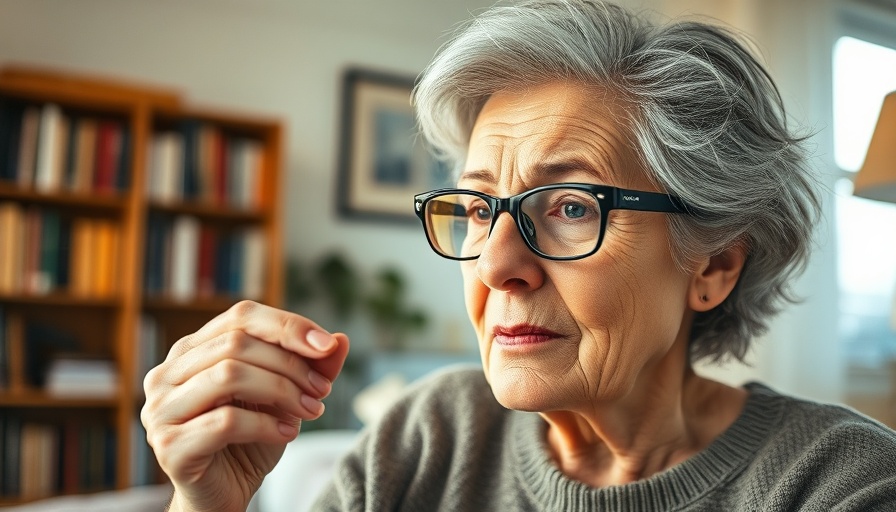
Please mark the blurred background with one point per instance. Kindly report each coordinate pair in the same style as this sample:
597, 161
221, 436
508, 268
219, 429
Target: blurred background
285, 61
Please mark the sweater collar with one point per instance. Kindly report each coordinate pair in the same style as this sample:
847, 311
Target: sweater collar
673, 488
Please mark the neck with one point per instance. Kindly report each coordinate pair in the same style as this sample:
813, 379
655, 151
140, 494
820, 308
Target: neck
668, 416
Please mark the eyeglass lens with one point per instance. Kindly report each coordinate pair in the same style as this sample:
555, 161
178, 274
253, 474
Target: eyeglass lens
558, 222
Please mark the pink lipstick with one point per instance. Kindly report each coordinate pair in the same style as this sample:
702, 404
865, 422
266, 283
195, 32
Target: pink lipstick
522, 334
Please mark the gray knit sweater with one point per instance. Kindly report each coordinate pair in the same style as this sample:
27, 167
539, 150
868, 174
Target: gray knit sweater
448, 445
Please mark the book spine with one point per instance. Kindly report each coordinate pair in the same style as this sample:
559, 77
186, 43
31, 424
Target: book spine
47, 275
85, 159
10, 130
184, 258
52, 135
28, 146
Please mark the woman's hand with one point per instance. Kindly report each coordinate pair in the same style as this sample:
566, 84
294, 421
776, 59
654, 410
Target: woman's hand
224, 403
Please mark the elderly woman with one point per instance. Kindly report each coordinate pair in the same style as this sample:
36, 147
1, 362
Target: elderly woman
629, 201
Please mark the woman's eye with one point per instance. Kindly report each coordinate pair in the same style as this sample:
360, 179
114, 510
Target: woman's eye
574, 210
479, 211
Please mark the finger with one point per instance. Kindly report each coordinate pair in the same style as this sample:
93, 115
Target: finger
239, 346
330, 366
229, 381
182, 447
289, 330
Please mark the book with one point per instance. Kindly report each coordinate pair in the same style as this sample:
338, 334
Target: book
165, 167
253, 263
11, 443
105, 273
153, 273
83, 255
46, 274
123, 165
108, 155
85, 155
190, 130
32, 242
37, 471
28, 146
81, 377
246, 171
70, 464
12, 232
184, 258
63, 261
10, 129
51, 140
208, 240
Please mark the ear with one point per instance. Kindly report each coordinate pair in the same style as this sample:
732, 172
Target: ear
715, 277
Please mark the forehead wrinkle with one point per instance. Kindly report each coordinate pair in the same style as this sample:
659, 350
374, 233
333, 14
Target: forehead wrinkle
595, 150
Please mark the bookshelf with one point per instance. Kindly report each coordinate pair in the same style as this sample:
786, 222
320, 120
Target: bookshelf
128, 218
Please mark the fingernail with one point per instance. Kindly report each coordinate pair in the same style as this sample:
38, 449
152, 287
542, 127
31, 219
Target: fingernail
287, 429
314, 406
319, 339
318, 381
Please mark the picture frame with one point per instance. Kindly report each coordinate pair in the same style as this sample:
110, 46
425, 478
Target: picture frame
382, 159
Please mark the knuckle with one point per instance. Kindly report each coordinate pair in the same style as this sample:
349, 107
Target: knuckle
294, 362
290, 323
151, 380
223, 420
284, 387
242, 308
233, 344
160, 440
226, 371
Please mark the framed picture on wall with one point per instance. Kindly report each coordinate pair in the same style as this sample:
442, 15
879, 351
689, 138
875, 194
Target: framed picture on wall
382, 160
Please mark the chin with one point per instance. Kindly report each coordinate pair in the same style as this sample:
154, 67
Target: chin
524, 389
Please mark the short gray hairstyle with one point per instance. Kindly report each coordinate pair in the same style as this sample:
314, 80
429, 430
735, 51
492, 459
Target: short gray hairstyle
707, 120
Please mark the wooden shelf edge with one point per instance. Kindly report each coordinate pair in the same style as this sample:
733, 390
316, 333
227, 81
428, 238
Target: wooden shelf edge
59, 299
209, 211
109, 202
169, 305
36, 398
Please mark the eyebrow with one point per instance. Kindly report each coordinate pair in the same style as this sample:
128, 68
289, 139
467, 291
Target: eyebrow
561, 167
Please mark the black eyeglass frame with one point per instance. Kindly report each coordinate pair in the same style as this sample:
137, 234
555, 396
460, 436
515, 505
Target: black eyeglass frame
608, 199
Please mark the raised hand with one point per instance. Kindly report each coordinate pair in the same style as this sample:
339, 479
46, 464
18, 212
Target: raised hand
222, 406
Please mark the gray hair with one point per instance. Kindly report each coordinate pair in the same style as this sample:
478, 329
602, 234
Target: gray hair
707, 121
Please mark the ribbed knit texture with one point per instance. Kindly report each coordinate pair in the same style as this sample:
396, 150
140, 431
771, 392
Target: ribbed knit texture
448, 445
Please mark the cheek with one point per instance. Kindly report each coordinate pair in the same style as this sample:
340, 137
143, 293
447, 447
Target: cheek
475, 295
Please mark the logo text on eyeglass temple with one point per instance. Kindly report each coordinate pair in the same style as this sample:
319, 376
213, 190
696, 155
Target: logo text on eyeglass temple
631, 198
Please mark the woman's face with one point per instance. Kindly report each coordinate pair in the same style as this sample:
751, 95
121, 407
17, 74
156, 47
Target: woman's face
566, 334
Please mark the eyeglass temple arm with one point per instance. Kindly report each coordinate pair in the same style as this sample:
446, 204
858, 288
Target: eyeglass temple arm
647, 201
437, 207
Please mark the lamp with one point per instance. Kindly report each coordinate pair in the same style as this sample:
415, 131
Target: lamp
877, 177
877, 180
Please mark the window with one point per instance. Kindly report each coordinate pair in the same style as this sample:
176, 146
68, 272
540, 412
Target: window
863, 73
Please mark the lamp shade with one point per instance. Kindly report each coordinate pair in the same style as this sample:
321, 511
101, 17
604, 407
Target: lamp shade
877, 177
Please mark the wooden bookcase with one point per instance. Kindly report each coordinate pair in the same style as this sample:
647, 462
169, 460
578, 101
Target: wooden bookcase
108, 323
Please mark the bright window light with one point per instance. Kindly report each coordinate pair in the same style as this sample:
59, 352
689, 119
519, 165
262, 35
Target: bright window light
863, 74
866, 230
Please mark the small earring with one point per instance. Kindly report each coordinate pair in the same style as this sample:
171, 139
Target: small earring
704, 298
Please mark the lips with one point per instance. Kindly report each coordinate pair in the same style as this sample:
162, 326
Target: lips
523, 334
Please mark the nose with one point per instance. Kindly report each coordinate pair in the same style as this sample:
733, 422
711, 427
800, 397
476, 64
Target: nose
506, 263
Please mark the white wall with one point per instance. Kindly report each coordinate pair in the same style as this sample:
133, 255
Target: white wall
284, 58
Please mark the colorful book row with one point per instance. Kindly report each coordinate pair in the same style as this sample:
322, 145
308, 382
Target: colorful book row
48, 149
43, 459
43, 251
201, 162
186, 259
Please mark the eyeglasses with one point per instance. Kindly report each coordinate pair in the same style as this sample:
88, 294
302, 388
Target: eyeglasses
563, 221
